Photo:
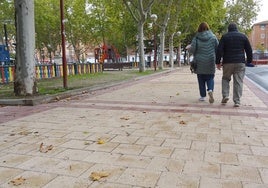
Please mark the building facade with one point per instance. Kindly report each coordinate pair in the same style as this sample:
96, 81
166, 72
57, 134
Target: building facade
259, 36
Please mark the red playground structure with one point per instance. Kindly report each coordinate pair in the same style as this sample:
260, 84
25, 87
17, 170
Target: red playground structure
106, 54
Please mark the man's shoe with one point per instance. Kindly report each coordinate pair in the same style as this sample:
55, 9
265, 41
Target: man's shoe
250, 65
236, 105
224, 100
202, 99
210, 94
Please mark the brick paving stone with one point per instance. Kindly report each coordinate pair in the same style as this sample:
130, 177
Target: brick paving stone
264, 174
187, 181
132, 161
257, 150
214, 182
254, 185
13, 160
150, 141
253, 160
107, 147
68, 182
177, 143
199, 168
157, 151
221, 157
168, 179
235, 148
188, 155
102, 157
139, 177
205, 146
73, 154
241, 173
129, 149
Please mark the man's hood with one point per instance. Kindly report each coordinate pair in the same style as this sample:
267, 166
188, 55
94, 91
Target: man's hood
232, 27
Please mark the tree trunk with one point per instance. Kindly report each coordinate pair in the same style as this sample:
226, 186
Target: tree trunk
162, 48
25, 83
141, 48
171, 51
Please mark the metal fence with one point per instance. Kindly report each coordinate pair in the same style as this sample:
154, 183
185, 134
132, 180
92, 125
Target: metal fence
7, 72
260, 55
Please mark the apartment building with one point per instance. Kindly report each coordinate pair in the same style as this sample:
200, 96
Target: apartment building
259, 36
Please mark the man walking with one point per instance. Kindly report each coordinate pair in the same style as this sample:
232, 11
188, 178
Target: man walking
231, 56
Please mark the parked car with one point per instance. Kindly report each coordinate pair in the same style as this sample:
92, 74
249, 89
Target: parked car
90, 60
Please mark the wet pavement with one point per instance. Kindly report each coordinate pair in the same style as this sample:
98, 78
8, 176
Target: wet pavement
151, 132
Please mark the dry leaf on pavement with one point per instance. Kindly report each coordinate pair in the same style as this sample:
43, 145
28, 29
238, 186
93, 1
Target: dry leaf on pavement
125, 118
101, 141
45, 149
182, 122
25, 133
17, 181
96, 176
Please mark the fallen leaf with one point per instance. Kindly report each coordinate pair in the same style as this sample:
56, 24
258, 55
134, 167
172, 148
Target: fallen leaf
182, 122
25, 133
45, 149
86, 143
101, 141
96, 176
125, 118
177, 93
18, 181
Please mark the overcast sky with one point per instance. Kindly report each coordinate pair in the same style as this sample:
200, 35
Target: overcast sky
263, 14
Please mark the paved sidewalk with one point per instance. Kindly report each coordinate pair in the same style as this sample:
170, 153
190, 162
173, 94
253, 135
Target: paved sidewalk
152, 132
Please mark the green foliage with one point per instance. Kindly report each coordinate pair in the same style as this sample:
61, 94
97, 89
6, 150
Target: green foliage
242, 12
7, 17
93, 22
47, 24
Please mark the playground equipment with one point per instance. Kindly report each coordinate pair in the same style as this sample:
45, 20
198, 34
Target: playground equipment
107, 54
4, 54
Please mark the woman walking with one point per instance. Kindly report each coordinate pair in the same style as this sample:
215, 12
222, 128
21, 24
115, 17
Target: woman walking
204, 47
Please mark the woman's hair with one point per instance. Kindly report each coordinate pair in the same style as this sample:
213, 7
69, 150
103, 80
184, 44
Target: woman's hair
203, 27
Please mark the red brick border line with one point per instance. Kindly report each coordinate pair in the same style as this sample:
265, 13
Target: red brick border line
216, 106
9, 113
179, 109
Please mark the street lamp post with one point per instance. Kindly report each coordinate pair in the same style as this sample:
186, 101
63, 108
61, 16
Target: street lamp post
154, 18
6, 39
64, 64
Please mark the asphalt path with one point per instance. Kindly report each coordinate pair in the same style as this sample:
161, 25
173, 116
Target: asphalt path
259, 76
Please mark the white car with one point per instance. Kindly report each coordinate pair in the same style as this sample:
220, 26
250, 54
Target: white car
90, 60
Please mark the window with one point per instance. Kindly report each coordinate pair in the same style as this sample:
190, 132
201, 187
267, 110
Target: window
262, 36
262, 27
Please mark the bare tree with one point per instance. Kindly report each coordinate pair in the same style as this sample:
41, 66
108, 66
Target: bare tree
25, 83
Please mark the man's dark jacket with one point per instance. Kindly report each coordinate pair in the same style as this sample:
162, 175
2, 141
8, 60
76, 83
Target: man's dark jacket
232, 47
